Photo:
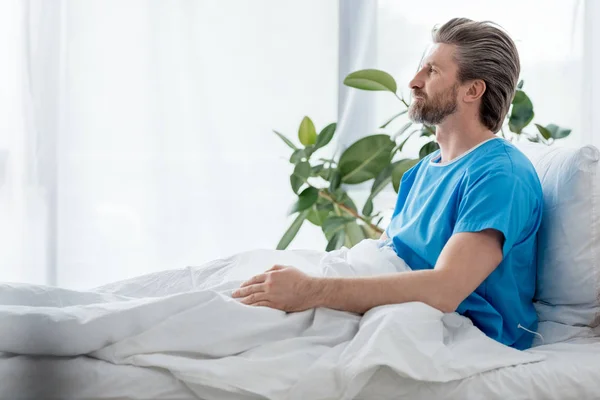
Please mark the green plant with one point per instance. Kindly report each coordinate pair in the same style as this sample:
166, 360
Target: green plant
323, 201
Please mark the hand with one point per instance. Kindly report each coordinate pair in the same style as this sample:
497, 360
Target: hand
283, 288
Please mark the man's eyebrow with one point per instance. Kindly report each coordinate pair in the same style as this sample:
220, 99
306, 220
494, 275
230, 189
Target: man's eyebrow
429, 64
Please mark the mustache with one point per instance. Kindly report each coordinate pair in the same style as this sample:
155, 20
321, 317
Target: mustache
418, 93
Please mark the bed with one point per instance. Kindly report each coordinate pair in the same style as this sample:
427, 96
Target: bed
179, 334
28, 377
571, 371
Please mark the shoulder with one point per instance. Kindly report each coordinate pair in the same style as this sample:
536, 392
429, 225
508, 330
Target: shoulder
501, 155
504, 162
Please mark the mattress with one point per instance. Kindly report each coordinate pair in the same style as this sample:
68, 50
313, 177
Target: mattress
78, 378
25, 377
570, 371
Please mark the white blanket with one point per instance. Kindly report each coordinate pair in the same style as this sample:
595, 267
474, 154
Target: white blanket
186, 321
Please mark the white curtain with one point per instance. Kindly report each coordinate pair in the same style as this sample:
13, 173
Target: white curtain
25, 179
140, 135
358, 34
137, 135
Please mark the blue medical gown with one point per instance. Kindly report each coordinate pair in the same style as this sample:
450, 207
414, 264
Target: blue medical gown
492, 186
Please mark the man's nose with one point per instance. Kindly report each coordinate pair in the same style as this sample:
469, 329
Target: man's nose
416, 83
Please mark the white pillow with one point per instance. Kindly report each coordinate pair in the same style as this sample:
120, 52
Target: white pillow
568, 274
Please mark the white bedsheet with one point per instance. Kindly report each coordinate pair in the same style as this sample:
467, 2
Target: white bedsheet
29, 377
571, 371
186, 322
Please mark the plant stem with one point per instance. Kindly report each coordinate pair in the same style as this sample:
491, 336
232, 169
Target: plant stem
350, 211
327, 159
402, 100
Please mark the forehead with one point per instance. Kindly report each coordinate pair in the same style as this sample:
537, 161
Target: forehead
441, 55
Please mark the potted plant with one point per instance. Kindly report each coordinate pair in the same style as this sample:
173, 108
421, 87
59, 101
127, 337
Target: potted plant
318, 181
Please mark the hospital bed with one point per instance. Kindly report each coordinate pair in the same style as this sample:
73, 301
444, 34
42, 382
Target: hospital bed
571, 371
569, 267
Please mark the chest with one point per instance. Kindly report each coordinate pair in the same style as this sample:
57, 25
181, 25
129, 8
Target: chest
433, 198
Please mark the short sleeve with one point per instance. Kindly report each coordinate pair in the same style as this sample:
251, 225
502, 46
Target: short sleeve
497, 201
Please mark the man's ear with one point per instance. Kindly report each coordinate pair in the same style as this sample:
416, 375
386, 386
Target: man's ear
475, 91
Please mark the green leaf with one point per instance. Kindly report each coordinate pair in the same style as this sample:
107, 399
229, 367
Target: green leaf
556, 132
349, 203
546, 134
300, 175
336, 241
335, 224
369, 232
317, 169
399, 170
290, 234
286, 140
428, 148
309, 150
324, 204
307, 132
364, 159
325, 136
296, 183
317, 216
520, 84
368, 207
381, 181
427, 130
401, 145
306, 199
336, 180
371, 79
354, 234
401, 131
302, 170
342, 197
297, 156
325, 173
393, 118
521, 113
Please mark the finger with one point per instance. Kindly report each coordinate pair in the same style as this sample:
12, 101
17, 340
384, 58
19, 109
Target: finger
275, 268
254, 298
248, 290
254, 280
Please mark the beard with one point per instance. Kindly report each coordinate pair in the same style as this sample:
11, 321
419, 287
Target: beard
433, 111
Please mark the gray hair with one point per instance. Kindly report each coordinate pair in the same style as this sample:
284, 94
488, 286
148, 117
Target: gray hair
485, 52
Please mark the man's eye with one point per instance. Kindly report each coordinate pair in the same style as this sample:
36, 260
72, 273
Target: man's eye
431, 70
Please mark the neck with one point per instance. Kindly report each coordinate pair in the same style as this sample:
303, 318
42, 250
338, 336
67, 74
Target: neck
457, 137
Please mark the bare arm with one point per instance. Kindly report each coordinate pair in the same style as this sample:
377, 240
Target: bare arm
466, 260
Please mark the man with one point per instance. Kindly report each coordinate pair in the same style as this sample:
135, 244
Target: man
467, 215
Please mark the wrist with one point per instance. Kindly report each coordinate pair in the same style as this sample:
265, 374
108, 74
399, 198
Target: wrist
317, 290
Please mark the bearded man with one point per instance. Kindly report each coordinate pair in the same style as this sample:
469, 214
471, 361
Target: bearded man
466, 216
